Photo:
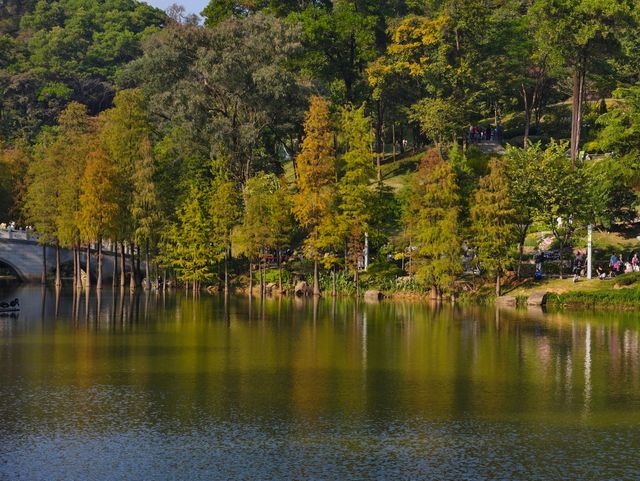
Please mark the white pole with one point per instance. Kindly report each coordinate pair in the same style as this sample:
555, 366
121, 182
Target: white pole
366, 251
589, 245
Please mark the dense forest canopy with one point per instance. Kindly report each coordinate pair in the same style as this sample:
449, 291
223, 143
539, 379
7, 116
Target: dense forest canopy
183, 139
53, 53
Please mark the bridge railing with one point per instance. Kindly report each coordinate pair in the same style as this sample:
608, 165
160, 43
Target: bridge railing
7, 232
19, 234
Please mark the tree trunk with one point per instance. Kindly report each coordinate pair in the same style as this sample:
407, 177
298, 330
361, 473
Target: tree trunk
114, 278
357, 281
132, 276
561, 260
279, 272
99, 279
43, 279
520, 255
250, 279
576, 109
379, 137
527, 116
260, 268
498, 284
226, 270
134, 269
88, 264
138, 270
77, 268
435, 292
58, 274
156, 277
122, 266
334, 286
393, 139
316, 280
164, 281
264, 287
521, 241
147, 281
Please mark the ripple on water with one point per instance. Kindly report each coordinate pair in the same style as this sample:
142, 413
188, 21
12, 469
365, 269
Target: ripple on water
329, 449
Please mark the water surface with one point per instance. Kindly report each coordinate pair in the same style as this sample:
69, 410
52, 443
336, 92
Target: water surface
170, 387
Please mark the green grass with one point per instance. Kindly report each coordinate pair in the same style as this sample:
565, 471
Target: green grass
561, 286
603, 298
622, 292
397, 174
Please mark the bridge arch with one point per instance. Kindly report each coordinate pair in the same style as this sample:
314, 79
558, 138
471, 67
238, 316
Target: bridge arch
19, 274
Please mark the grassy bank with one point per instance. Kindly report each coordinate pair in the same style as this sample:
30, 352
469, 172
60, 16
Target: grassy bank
622, 292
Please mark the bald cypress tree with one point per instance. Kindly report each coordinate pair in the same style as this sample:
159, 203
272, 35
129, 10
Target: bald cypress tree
41, 201
493, 221
126, 137
225, 211
435, 206
316, 179
98, 203
356, 198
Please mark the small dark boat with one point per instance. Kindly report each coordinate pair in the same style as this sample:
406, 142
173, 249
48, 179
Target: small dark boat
11, 306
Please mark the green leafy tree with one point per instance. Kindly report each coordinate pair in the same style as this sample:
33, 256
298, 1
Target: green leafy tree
65, 51
579, 34
620, 133
439, 119
524, 171
339, 42
564, 200
611, 198
217, 11
228, 90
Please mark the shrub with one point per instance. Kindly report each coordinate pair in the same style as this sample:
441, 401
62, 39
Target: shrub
627, 279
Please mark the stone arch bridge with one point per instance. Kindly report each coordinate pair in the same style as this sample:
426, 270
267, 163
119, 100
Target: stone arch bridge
21, 251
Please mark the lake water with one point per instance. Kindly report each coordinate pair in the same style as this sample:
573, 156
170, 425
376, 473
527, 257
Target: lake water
155, 387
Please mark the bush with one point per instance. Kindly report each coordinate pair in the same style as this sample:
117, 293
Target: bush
380, 272
627, 279
344, 282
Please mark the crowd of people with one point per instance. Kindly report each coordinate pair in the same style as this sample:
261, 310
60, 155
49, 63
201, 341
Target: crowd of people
617, 265
485, 133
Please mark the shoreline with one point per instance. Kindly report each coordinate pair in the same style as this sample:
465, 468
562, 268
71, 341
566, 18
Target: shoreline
620, 293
